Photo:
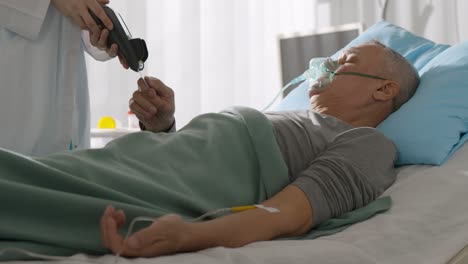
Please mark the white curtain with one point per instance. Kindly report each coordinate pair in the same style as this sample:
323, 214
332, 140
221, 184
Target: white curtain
218, 53
213, 53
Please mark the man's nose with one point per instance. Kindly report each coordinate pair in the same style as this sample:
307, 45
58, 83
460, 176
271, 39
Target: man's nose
334, 65
341, 60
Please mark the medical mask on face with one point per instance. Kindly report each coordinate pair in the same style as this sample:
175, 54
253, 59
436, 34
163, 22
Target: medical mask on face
322, 71
319, 75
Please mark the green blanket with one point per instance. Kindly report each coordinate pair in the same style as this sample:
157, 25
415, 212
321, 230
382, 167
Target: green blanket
52, 205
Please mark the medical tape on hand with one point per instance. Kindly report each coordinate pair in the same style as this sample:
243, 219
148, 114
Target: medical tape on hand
269, 209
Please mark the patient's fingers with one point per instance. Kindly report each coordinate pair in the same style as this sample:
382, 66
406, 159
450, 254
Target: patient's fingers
115, 240
143, 114
111, 221
152, 91
103, 221
142, 106
159, 87
140, 118
162, 237
139, 112
142, 85
141, 244
119, 216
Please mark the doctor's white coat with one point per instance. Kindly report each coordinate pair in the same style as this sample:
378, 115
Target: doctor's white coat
44, 99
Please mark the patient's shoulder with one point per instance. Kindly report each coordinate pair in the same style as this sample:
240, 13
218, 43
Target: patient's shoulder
365, 138
366, 147
370, 152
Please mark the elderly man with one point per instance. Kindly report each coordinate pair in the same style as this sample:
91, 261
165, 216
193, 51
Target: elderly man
336, 160
305, 167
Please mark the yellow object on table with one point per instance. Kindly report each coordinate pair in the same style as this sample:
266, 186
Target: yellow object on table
107, 122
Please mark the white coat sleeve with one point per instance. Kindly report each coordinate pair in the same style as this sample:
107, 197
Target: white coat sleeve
23, 17
99, 55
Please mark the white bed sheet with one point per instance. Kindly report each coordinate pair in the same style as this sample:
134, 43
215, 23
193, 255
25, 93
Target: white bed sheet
428, 223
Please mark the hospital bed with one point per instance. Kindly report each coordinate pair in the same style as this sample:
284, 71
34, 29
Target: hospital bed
428, 223
428, 219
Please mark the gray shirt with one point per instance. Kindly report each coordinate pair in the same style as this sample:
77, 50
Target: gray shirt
338, 167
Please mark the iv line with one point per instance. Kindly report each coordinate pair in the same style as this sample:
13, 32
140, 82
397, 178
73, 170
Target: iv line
235, 209
294, 81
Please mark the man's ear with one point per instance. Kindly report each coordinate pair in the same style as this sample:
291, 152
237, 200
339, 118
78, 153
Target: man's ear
387, 91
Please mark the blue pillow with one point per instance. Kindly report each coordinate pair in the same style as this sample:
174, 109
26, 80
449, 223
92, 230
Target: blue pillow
417, 50
433, 124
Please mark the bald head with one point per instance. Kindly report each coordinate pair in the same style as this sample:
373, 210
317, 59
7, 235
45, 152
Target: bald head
397, 68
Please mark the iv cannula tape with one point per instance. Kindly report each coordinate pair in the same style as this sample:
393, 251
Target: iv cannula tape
134, 51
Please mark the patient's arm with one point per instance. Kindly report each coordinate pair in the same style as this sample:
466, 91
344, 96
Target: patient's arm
171, 234
294, 218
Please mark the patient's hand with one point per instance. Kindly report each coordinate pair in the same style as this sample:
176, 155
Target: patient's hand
168, 235
154, 105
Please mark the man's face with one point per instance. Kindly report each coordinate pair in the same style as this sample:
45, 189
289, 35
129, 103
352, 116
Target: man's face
346, 91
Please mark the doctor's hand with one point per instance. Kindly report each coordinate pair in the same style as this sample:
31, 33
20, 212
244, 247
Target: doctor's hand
100, 41
78, 11
167, 235
154, 106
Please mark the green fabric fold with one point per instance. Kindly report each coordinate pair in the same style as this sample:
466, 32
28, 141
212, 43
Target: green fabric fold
339, 224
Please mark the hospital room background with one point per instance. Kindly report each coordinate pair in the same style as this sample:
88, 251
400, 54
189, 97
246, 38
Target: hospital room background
218, 53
